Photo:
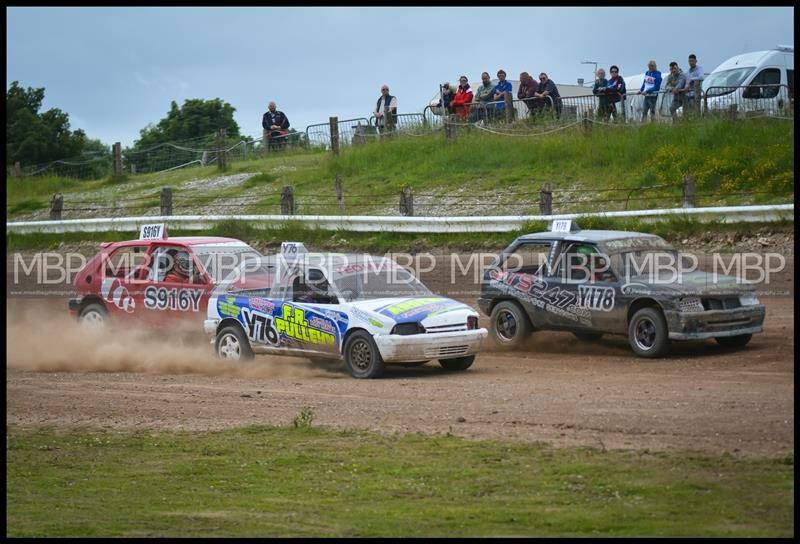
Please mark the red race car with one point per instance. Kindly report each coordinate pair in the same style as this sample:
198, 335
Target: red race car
154, 279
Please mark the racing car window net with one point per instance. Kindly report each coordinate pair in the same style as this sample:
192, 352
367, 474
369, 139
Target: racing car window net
126, 262
163, 266
584, 263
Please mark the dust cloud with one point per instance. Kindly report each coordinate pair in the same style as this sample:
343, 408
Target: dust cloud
44, 338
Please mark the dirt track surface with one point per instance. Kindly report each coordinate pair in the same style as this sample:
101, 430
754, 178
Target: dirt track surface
560, 391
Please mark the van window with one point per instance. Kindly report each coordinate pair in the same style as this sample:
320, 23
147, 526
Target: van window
726, 81
768, 76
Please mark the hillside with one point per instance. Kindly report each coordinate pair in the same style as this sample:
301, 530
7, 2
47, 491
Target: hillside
607, 168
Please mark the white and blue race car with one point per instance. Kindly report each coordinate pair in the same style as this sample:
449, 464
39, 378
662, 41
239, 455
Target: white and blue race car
366, 310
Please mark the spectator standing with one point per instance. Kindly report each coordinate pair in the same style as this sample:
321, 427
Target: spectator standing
276, 124
447, 96
385, 101
616, 91
483, 95
694, 77
527, 91
547, 88
675, 85
500, 89
650, 87
600, 90
463, 99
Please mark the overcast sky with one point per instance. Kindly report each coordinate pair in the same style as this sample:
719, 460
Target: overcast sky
114, 70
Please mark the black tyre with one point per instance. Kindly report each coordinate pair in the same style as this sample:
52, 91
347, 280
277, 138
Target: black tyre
94, 315
739, 341
460, 363
509, 325
648, 334
588, 336
361, 356
232, 344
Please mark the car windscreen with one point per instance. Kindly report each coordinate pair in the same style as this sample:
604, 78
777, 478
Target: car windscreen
376, 280
727, 79
220, 260
652, 263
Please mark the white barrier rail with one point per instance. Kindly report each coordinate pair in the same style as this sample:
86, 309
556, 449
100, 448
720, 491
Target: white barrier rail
365, 223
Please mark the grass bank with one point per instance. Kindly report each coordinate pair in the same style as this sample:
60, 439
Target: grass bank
673, 230
304, 481
733, 162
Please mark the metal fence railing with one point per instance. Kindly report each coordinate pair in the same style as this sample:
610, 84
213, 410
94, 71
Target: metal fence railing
768, 100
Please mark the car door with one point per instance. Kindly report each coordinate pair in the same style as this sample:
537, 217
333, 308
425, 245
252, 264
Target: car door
584, 289
520, 275
169, 301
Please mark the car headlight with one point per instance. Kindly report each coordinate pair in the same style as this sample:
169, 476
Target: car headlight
690, 304
748, 300
408, 328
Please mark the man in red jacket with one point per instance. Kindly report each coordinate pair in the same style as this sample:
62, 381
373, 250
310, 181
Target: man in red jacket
463, 98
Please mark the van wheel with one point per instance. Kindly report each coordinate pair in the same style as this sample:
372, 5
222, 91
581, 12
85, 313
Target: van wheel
361, 356
648, 334
233, 344
94, 315
509, 324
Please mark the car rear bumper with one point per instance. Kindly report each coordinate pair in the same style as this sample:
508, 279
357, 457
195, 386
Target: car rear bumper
397, 348
715, 323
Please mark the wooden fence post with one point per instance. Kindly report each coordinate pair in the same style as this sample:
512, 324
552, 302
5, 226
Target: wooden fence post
546, 200
133, 168
449, 129
339, 192
18, 169
688, 191
733, 110
334, 123
56, 205
407, 201
287, 200
116, 161
166, 201
204, 159
221, 155
509, 107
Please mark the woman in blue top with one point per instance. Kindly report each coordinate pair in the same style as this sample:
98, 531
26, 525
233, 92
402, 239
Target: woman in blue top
650, 87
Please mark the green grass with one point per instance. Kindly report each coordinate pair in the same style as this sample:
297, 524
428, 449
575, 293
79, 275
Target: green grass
304, 481
726, 158
673, 230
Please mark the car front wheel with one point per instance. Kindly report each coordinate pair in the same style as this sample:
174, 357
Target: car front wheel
648, 334
509, 324
361, 356
94, 315
232, 344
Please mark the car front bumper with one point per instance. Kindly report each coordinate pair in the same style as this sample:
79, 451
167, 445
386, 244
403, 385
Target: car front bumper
715, 323
396, 348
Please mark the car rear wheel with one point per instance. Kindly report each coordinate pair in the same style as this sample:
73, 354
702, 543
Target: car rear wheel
460, 363
509, 324
588, 336
361, 356
233, 344
94, 315
648, 334
738, 341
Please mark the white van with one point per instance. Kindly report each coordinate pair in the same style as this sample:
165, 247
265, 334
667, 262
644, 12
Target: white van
758, 82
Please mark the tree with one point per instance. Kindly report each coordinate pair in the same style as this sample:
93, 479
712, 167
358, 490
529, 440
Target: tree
197, 118
33, 137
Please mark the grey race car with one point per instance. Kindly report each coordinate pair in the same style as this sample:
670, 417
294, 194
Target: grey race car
596, 282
